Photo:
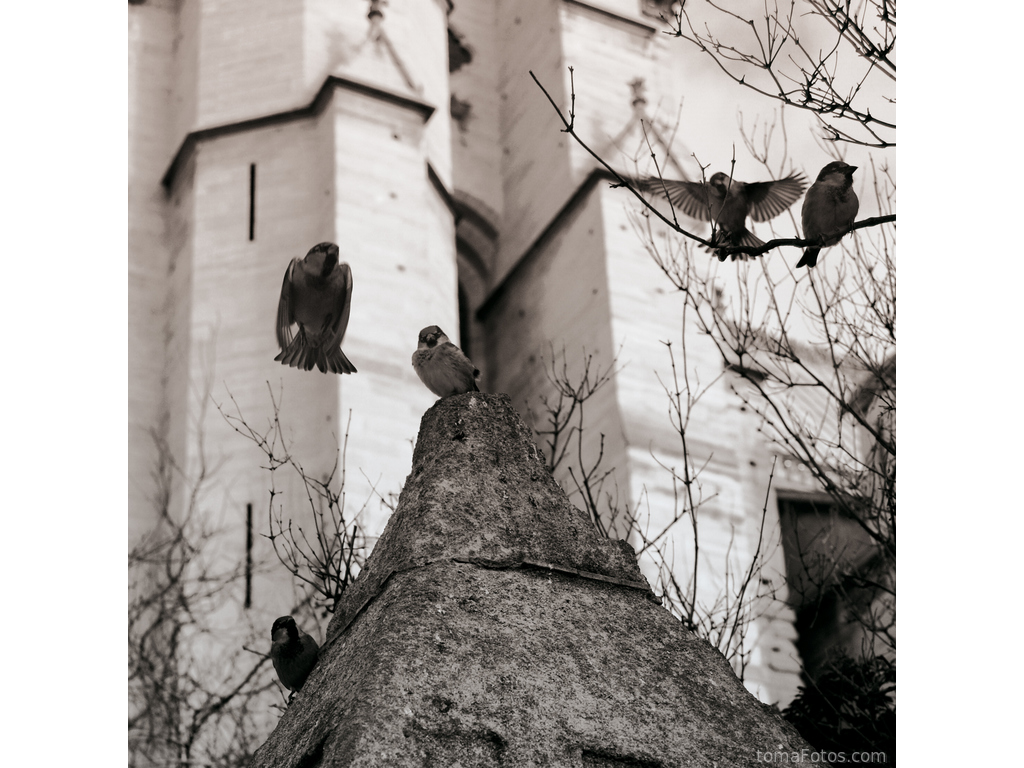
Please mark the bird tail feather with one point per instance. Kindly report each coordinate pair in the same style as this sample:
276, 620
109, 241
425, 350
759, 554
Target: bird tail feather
336, 362
299, 354
810, 258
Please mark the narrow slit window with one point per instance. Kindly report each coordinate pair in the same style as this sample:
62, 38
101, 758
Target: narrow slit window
252, 201
248, 555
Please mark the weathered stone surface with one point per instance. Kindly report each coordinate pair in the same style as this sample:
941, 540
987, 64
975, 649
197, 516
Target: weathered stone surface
449, 652
479, 491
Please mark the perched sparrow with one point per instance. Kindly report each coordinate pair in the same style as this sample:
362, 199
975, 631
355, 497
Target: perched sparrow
317, 294
293, 652
829, 208
727, 204
442, 366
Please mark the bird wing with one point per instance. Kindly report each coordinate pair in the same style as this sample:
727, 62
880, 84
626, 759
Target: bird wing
285, 316
767, 199
695, 199
453, 371
341, 286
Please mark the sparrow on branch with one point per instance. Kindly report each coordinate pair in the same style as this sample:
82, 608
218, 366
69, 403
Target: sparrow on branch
829, 209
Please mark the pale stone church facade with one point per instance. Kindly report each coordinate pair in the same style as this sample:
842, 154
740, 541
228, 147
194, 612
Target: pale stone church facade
412, 134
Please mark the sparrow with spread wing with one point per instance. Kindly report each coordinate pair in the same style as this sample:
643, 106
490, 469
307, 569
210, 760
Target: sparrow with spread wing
293, 652
317, 295
830, 207
442, 366
727, 203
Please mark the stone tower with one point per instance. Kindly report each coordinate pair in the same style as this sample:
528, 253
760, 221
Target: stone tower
259, 129
493, 626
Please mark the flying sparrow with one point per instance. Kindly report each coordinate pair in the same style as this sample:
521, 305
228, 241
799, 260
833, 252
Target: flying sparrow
727, 203
317, 294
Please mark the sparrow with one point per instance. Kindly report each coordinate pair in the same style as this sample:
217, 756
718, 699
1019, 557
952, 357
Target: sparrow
293, 652
317, 294
442, 366
728, 203
829, 208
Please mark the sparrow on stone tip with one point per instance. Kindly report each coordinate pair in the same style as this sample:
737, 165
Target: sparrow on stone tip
442, 366
728, 203
293, 652
317, 294
829, 208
